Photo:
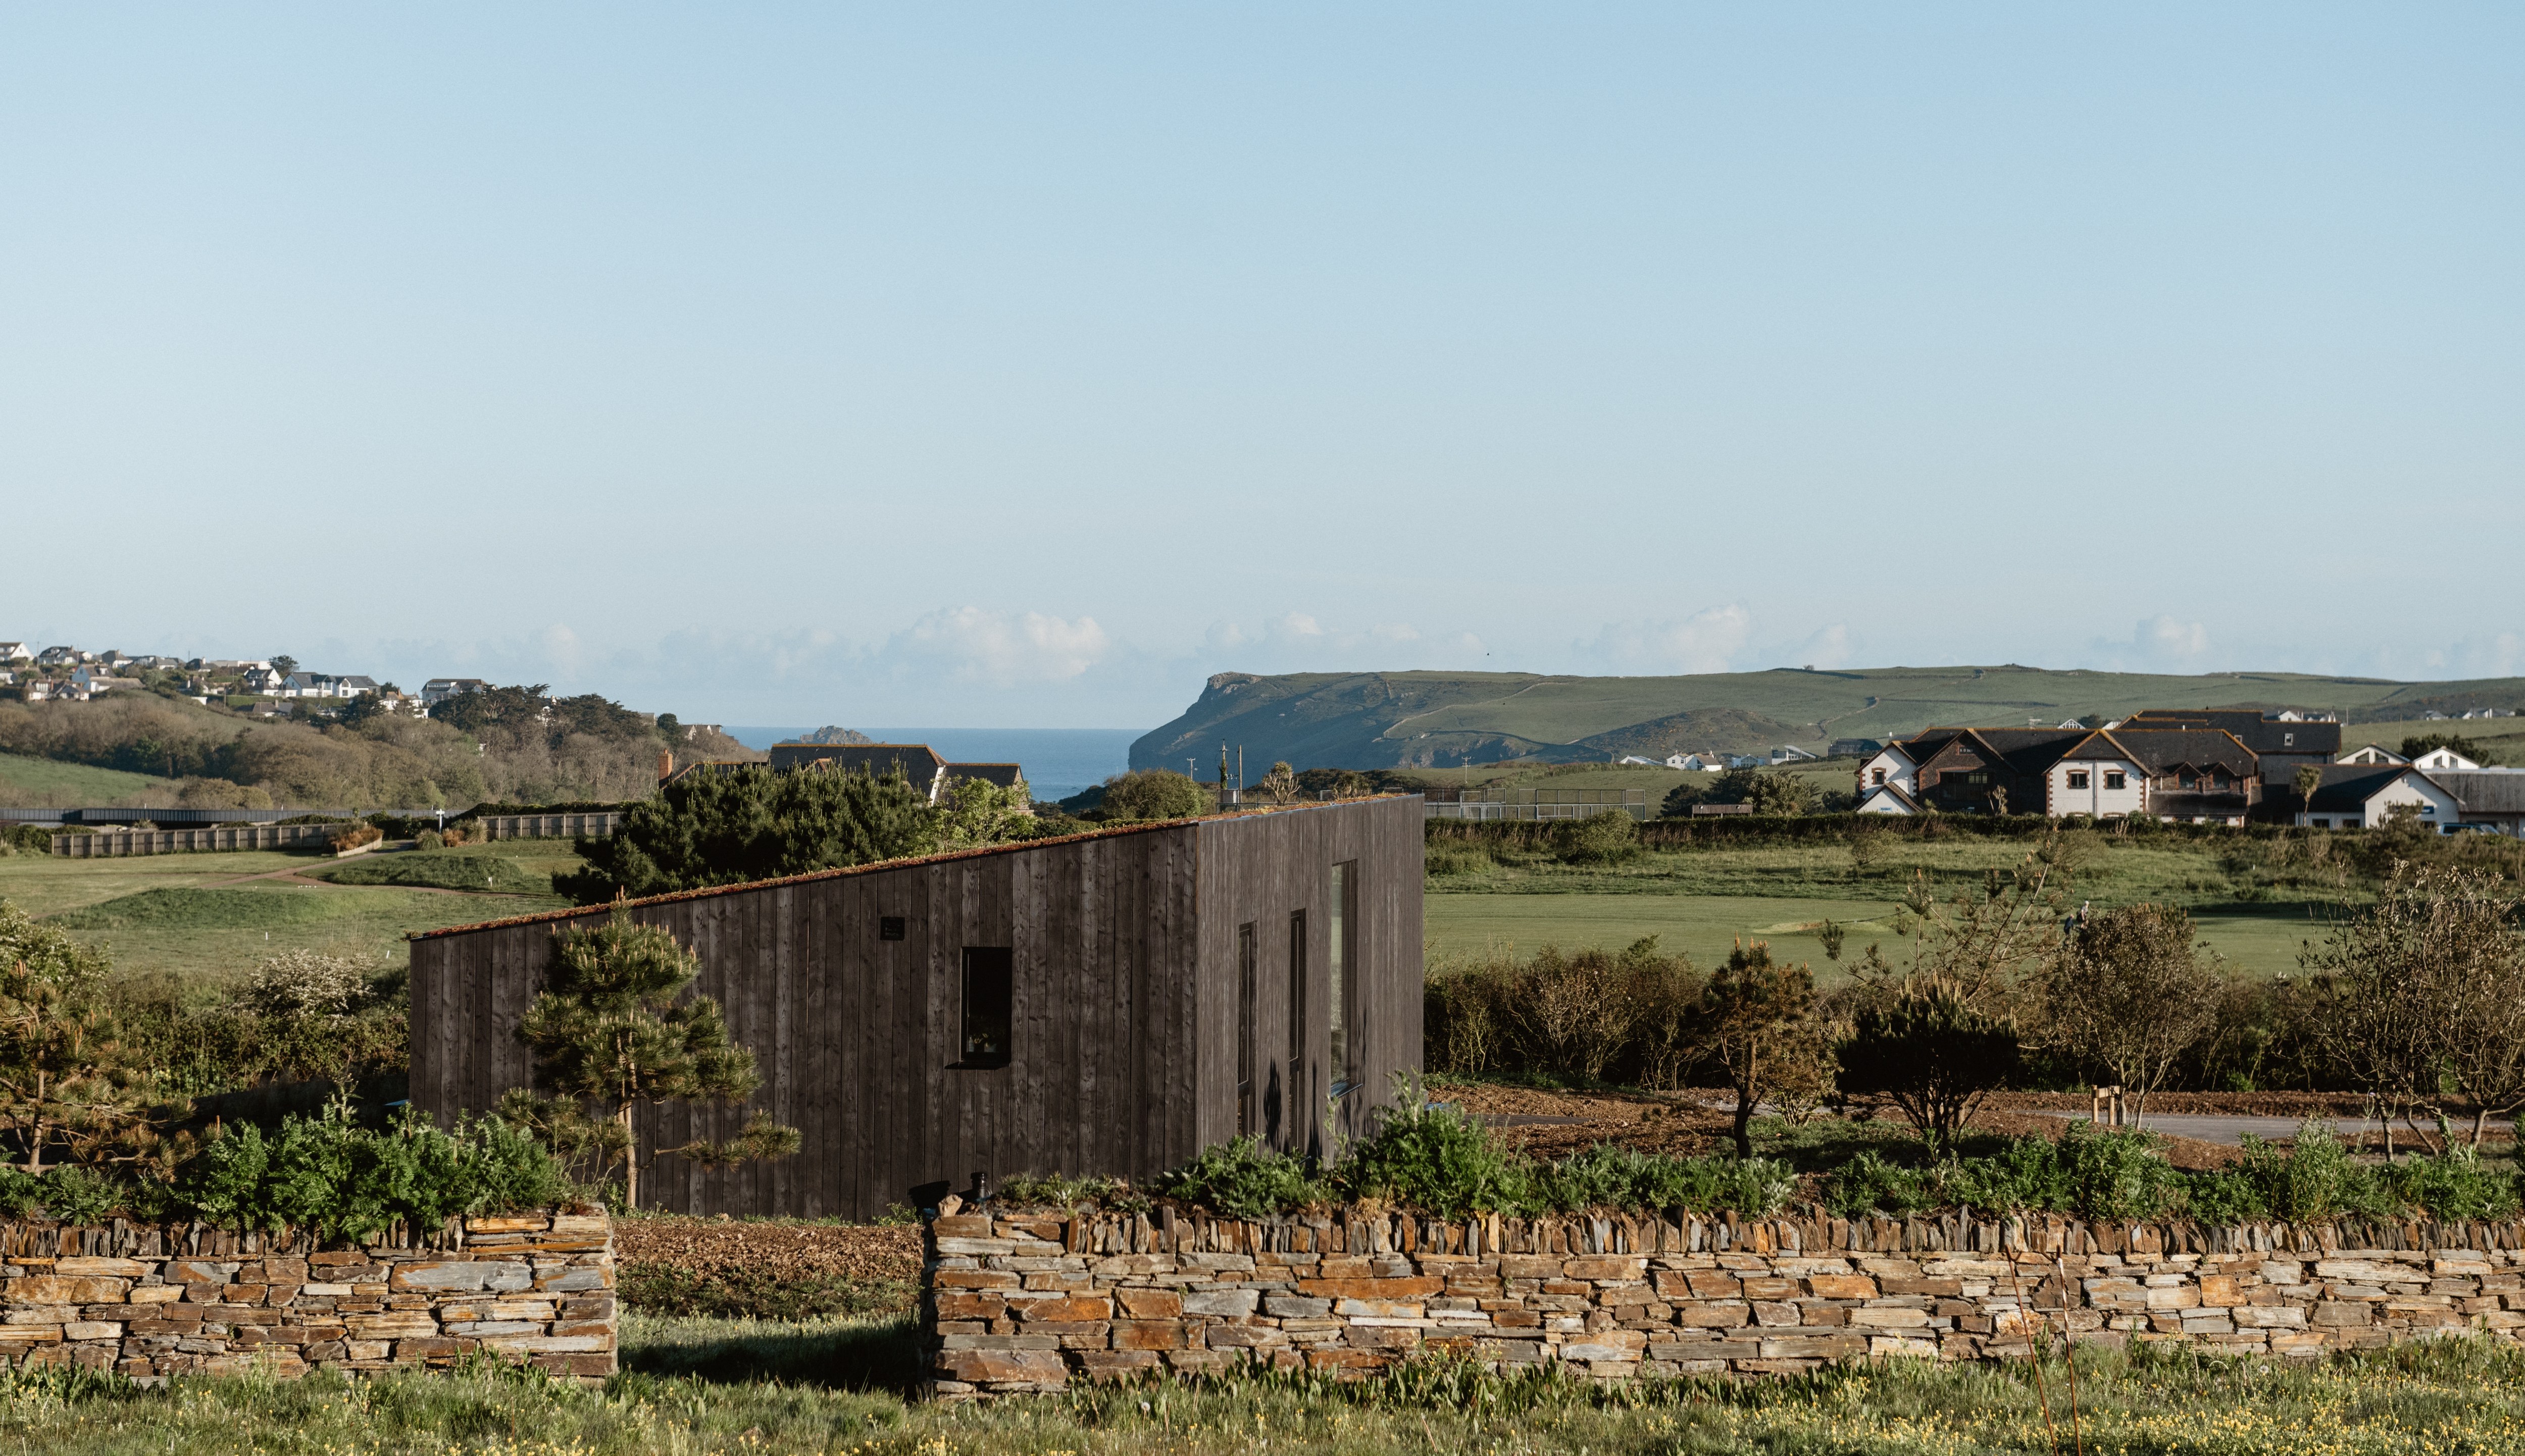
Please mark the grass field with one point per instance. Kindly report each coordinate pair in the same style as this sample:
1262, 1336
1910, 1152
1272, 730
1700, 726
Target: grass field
213, 917
449, 869
710, 1387
1701, 900
44, 784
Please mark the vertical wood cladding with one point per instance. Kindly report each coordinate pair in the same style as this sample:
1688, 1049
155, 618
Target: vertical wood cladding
1124, 1009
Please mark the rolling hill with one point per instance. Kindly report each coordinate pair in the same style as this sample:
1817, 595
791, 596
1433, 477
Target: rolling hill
1425, 720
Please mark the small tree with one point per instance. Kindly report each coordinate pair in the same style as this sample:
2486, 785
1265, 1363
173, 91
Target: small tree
1928, 1051
978, 812
2426, 987
1865, 848
1155, 794
2131, 992
284, 664
62, 1077
2309, 778
1753, 1014
609, 1029
1281, 785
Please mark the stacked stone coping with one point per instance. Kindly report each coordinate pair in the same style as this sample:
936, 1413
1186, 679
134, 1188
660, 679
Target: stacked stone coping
1014, 1301
152, 1301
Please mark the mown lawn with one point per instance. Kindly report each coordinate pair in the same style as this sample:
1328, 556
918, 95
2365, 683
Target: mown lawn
210, 915
692, 1386
1702, 900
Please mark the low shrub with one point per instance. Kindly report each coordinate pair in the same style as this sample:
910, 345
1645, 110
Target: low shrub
1244, 1178
429, 838
1608, 838
355, 837
1443, 858
1436, 1158
331, 1174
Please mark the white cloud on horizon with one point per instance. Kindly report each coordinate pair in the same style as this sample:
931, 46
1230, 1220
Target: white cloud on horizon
999, 649
1708, 641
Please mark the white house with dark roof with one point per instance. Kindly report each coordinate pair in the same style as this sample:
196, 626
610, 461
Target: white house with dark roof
16, 651
2358, 796
1892, 764
1887, 799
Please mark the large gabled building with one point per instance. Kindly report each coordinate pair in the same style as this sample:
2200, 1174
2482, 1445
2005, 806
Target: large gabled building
2171, 769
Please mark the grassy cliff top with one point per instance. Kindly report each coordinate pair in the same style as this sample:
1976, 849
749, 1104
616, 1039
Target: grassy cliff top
1424, 719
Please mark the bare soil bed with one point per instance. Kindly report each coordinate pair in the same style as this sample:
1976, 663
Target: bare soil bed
765, 1269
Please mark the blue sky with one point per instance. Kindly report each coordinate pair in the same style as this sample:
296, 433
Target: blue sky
1013, 367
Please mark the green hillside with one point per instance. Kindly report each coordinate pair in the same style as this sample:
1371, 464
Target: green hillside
46, 784
1421, 719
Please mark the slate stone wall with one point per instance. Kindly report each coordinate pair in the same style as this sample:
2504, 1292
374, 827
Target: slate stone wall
1024, 1302
151, 1302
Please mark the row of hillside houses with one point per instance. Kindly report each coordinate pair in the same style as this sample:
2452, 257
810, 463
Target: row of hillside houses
2187, 765
76, 674
1713, 761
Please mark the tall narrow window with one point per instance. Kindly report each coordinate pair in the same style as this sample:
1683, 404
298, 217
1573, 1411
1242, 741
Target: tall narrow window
1298, 1097
990, 1003
1344, 927
1246, 1119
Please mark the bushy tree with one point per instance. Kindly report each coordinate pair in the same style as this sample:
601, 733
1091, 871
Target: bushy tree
1756, 1019
2424, 989
1281, 785
2131, 990
977, 812
2418, 743
1608, 838
615, 1028
64, 1081
1155, 794
1924, 1048
753, 824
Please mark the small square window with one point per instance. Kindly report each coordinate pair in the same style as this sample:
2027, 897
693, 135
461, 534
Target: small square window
1877, 776
889, 927
2077, 778
2319, 823
2116, 781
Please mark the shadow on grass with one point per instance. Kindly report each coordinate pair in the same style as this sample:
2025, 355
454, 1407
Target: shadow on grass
858, 1354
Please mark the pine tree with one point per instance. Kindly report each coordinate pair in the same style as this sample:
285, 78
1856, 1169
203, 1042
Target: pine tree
63, 1082
611, 1031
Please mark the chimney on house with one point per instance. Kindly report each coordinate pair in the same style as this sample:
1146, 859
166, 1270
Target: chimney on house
665, 764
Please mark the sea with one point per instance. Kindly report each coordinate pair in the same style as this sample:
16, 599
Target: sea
1057, 762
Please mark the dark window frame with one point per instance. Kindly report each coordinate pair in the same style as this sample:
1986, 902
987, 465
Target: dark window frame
1341, 991
1248, 974
987, 1021
1299, 1095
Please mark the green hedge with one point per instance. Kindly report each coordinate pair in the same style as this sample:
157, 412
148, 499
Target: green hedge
326, 1174
1443, 1162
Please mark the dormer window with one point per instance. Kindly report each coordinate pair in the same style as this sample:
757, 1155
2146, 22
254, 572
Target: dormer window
2288, 740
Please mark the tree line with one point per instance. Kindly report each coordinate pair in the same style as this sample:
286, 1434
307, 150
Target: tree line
2416, 1001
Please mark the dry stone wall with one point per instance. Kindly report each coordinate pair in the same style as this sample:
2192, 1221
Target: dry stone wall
1021, 1302
151, 1302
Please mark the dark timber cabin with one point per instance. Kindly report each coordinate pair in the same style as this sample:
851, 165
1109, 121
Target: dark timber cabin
1103, 1003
